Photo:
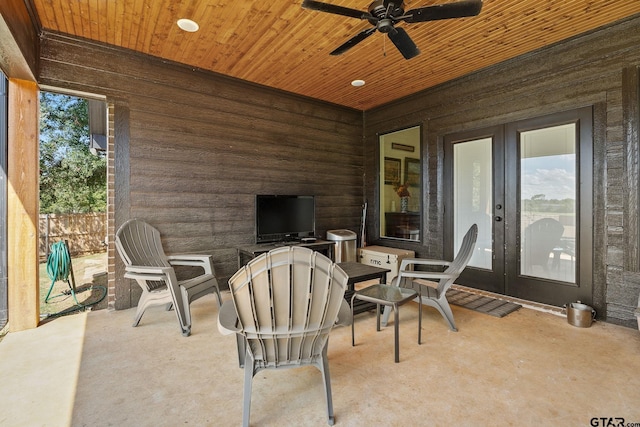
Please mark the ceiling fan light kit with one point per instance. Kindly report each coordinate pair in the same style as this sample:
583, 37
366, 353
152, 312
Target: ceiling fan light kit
383, 15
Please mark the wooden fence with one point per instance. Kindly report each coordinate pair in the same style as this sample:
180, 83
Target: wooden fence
85, 233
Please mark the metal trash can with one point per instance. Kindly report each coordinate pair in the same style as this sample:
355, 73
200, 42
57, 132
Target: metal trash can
345, 241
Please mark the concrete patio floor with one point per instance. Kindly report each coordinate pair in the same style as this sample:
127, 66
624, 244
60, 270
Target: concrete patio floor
530, 368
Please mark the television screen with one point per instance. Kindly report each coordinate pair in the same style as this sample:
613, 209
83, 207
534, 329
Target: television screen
282, 218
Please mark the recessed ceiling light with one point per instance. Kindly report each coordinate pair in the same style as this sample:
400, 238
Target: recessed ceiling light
188, 25
357, 83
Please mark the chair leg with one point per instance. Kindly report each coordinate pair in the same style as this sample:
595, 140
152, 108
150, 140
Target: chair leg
184, 313
419, 316
217, 292
184, 327
353, 333
396, 327
327, 384
419, 324
139, 313
241, 343
246, 396
385, 315
147, 299
443, 307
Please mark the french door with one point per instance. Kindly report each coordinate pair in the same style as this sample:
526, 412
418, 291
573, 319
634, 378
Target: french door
528, 187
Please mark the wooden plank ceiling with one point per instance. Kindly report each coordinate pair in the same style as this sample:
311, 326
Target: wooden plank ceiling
277, 43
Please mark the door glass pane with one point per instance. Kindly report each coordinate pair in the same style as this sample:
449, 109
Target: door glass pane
548, 203
473, 197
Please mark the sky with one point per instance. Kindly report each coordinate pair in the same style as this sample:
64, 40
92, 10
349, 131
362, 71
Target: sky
553, 176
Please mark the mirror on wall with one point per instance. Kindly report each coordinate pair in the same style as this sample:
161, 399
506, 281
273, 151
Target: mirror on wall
400, 184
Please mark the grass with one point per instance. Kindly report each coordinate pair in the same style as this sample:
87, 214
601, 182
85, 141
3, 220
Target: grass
90, 285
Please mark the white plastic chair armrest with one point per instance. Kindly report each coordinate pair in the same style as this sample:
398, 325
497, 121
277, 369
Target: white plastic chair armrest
427, 275
146, 273
228, 319
196, 260
419, 261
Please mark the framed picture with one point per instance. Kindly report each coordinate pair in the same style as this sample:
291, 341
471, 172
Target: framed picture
402, 147
412, 171
391, 170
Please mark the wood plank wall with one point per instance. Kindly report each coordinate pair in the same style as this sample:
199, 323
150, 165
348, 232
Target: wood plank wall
587, 71
192, 149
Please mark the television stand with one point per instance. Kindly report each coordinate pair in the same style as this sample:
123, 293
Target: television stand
280, 244
248, 252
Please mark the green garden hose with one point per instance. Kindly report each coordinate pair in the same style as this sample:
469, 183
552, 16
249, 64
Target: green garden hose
59, 262
59, 269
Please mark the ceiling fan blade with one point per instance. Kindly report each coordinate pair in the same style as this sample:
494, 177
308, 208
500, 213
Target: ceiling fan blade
353, 41
443, 11
403, 42
335, 9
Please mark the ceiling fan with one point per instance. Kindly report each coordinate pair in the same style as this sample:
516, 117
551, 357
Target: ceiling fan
384, 14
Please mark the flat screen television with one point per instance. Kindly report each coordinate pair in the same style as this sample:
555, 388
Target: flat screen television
284, 217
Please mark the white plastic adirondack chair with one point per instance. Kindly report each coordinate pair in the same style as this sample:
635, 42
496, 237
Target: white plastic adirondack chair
140, 248
284, 304
436, 296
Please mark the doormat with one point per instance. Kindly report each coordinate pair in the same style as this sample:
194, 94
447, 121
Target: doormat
488, 305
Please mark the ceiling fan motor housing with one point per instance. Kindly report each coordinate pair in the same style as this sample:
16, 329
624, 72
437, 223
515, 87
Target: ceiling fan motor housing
378, 9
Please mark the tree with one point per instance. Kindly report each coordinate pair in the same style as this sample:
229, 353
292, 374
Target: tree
72, 179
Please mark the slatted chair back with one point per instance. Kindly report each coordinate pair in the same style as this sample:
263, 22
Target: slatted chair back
287, 301
138, 243
461, 260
